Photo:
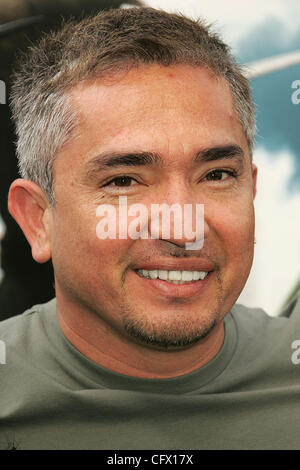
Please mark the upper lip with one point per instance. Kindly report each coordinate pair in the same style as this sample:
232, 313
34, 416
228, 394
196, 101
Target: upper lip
177, 265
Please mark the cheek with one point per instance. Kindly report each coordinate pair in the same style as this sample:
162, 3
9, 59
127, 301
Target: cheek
74, 239
233, 226
232, 242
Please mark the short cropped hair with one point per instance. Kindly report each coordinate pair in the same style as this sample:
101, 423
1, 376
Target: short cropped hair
98, 46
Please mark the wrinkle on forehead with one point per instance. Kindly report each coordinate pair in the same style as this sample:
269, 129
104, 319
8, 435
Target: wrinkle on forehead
163, 109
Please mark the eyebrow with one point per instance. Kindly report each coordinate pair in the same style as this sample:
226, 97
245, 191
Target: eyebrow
113, 160
116, 159
220, 153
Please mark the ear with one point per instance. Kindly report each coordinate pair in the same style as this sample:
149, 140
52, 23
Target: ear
254, 178
31, 209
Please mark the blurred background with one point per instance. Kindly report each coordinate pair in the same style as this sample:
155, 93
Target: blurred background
263, 35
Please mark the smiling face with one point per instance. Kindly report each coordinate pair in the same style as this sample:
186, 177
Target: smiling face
156, 135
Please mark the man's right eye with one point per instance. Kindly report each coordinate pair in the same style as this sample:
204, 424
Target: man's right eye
121, 181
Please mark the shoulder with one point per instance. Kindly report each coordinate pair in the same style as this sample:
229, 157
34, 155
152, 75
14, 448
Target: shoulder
265, 339
262, 319
15, 330
28, 315
262, 333
264, 356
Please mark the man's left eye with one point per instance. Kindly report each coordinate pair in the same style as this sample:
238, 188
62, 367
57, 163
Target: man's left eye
218, 175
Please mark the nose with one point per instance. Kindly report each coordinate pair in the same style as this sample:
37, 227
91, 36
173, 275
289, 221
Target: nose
179, 218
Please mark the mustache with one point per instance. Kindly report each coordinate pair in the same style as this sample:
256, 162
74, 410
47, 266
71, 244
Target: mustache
171, 249
174, 249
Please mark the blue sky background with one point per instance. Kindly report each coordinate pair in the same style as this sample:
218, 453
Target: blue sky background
278, 119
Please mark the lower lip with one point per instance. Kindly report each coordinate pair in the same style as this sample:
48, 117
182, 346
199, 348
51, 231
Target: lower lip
175, 290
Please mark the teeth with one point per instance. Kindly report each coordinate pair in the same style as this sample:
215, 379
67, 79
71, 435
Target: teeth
153, 274
163, 275
176, 277
187, 276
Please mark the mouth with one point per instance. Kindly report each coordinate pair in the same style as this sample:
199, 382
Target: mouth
173, 277
175, 284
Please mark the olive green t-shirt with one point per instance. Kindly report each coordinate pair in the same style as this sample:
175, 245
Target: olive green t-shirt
247, 397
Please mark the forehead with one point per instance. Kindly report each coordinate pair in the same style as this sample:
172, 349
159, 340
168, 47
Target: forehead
156, 108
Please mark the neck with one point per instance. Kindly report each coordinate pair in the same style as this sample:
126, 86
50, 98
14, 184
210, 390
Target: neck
106, 346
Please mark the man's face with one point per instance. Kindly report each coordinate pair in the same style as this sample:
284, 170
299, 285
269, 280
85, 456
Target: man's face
184, 117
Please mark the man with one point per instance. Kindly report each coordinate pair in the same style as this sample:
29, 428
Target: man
143, 347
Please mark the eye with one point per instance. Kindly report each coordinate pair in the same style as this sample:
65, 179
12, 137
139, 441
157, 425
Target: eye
121, 181
219, 175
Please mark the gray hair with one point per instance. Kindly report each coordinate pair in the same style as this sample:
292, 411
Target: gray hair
98, 46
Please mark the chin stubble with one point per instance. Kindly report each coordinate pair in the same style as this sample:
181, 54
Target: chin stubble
166, 339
